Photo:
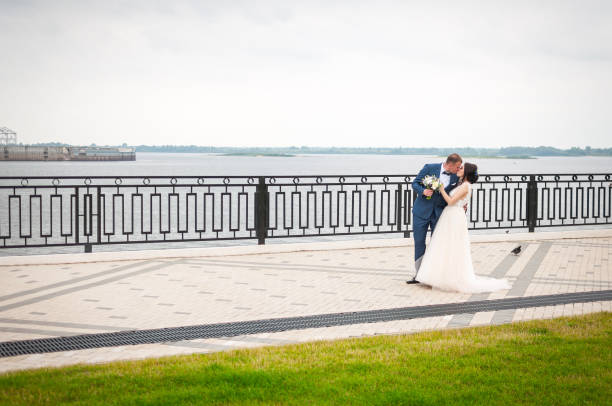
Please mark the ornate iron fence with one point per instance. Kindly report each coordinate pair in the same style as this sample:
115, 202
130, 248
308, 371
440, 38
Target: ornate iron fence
74, 210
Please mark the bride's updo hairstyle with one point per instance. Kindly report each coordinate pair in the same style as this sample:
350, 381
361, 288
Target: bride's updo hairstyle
470, 172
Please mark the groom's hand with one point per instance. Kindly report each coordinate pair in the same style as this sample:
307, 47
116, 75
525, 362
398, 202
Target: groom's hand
428, 192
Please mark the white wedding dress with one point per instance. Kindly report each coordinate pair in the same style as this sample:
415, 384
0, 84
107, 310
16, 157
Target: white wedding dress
447, 263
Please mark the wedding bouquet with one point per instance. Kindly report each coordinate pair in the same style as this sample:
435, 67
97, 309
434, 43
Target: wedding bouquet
431, 182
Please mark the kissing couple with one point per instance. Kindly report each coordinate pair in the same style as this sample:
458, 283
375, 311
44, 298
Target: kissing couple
440, 206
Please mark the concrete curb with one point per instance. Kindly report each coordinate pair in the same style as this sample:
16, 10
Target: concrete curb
115, 256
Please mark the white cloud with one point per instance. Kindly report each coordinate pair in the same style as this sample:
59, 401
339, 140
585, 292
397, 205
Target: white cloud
485, 73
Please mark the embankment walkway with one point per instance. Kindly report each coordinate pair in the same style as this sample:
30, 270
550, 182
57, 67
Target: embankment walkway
87, 308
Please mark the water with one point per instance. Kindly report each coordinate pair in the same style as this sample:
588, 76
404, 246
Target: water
166, 164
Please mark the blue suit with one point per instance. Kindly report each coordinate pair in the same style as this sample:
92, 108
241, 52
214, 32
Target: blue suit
426, 212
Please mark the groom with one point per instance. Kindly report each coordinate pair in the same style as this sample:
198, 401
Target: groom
427, 211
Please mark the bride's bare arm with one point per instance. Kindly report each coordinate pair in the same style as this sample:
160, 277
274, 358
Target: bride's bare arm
461, 193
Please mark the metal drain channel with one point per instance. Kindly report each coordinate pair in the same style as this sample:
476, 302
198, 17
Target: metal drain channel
232, 329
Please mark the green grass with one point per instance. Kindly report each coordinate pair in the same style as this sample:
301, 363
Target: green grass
565, 361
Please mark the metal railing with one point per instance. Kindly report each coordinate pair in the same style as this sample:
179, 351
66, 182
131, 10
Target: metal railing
88, 211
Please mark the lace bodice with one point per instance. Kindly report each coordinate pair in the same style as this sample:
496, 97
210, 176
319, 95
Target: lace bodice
466, 199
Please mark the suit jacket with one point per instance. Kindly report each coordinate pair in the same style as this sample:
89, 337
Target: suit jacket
427, 208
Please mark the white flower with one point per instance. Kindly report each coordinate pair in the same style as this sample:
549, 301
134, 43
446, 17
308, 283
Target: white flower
431, 182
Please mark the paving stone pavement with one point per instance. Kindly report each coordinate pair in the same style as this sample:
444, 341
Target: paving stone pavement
51, 297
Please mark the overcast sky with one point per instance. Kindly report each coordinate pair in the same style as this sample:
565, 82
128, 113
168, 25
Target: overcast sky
318, 73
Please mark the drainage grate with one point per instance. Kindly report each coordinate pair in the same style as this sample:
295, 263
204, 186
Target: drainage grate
119, 338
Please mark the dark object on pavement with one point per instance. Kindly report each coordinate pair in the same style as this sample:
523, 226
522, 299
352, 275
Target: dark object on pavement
412, 281
516, 251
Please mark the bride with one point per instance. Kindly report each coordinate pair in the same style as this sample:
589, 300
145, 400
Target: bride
447, 263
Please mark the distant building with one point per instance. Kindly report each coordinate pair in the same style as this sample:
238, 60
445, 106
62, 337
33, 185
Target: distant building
71, 153
7, 136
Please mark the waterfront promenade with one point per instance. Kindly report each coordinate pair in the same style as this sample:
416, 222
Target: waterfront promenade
75, 294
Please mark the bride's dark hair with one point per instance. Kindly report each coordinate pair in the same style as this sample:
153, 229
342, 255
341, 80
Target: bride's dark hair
470, 172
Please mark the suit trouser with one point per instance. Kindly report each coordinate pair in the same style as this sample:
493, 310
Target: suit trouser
419, 229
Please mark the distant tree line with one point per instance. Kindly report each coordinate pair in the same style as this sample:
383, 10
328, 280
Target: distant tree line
475, 152
472, 152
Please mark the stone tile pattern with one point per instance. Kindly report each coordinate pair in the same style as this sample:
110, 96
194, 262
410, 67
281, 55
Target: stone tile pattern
111, 296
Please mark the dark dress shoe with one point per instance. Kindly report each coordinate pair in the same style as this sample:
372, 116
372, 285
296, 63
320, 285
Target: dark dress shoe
412, 281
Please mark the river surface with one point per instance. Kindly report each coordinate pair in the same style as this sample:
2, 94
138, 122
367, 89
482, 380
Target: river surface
172, 164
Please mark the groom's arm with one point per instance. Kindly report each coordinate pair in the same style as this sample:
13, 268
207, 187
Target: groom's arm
448, 190
417, 183
451, 186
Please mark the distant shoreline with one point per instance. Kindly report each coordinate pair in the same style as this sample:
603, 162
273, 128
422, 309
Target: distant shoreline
512, 152
254, 154
496, 157
483, 153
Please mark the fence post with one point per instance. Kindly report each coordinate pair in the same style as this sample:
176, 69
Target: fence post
77, 222
76, 217
414, 196
99, 215
398, 205
532, 203
261, 210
